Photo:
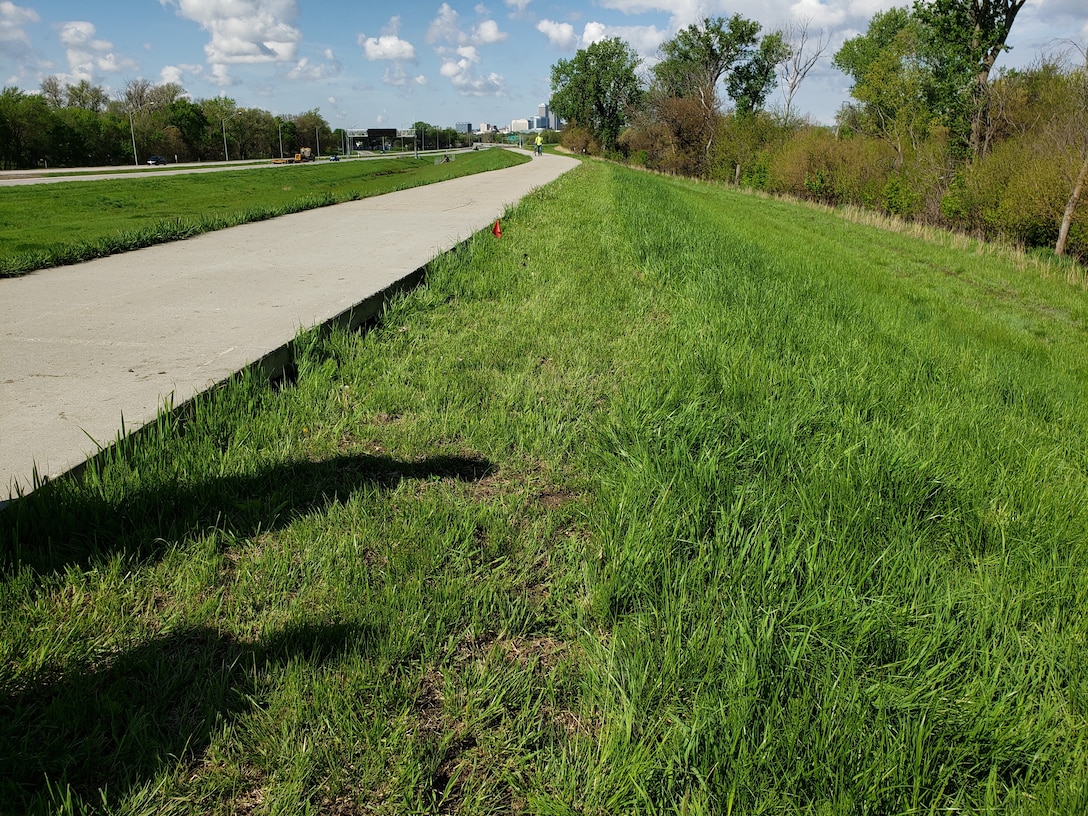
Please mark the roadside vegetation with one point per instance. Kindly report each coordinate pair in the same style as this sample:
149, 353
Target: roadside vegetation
70, 222
669, 500
933, 132
66, 124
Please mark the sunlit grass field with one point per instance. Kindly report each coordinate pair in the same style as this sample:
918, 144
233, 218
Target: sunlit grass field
669, 500
47, 225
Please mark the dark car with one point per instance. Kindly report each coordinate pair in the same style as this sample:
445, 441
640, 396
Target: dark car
157, 160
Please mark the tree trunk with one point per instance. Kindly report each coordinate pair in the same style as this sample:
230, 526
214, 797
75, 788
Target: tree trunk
1070, 207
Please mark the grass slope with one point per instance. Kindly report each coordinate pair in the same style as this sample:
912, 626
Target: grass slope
671, 500
54, 224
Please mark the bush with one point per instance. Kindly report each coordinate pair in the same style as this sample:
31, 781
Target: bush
900, 198
578, 139
816, 164
743, 146
1017, 193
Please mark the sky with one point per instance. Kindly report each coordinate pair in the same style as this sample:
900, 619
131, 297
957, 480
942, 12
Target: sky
368, 64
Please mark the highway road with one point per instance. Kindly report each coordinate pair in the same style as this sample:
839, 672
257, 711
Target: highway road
12, 178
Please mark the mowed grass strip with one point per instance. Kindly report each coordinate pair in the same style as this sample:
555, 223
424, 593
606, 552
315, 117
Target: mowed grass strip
48, 225
671, 500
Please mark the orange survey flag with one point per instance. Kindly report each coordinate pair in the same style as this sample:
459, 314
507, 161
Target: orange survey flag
497, 230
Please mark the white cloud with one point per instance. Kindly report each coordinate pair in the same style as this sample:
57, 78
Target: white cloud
87, 56
520, 5
645, 40
818, 14
561, 35
487, 33
313, 72
396, 76
391, 48
14, 41
219, 75
171, 73
460, 54
463, 75
771, 13
112, 64
79, 35
244, 31
387, 47
446, 27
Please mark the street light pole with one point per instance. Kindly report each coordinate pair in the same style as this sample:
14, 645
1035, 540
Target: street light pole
132, 129
226, 157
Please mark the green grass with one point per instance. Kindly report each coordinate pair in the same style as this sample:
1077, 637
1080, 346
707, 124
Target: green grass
671, 500
53, 224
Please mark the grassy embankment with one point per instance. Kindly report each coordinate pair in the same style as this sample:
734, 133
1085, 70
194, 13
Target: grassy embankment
672, 500
53, 224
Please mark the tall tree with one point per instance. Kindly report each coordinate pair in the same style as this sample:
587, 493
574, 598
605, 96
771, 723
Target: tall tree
891, 81
699, 57
87, 96
596, 88
751, 81
313, 130
191, 123
24, 128
964, 39
53, 91
805, 52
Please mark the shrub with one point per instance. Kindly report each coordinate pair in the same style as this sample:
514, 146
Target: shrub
578, 139
743, 146
899, 197
814, 163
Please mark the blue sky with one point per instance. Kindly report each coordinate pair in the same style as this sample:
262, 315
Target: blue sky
365, 64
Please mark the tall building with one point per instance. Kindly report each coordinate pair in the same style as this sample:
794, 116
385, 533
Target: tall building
463, 127
546, 118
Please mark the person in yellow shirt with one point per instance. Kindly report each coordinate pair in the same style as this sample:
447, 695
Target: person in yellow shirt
539, 145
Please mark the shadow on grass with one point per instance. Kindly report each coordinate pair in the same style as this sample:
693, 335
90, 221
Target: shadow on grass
115, 726
66, 523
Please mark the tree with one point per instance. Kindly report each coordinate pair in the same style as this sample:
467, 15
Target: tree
313, 130
87, 96
596, 89
696, 60
804, 54
891, 81
751, 81
218, 111
1075, 133
964, 39
191, 123
53, 92
24, 128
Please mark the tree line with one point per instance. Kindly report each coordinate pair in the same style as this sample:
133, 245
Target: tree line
80, 125
930, 133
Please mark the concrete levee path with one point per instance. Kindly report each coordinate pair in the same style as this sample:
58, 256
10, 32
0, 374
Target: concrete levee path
88, 344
